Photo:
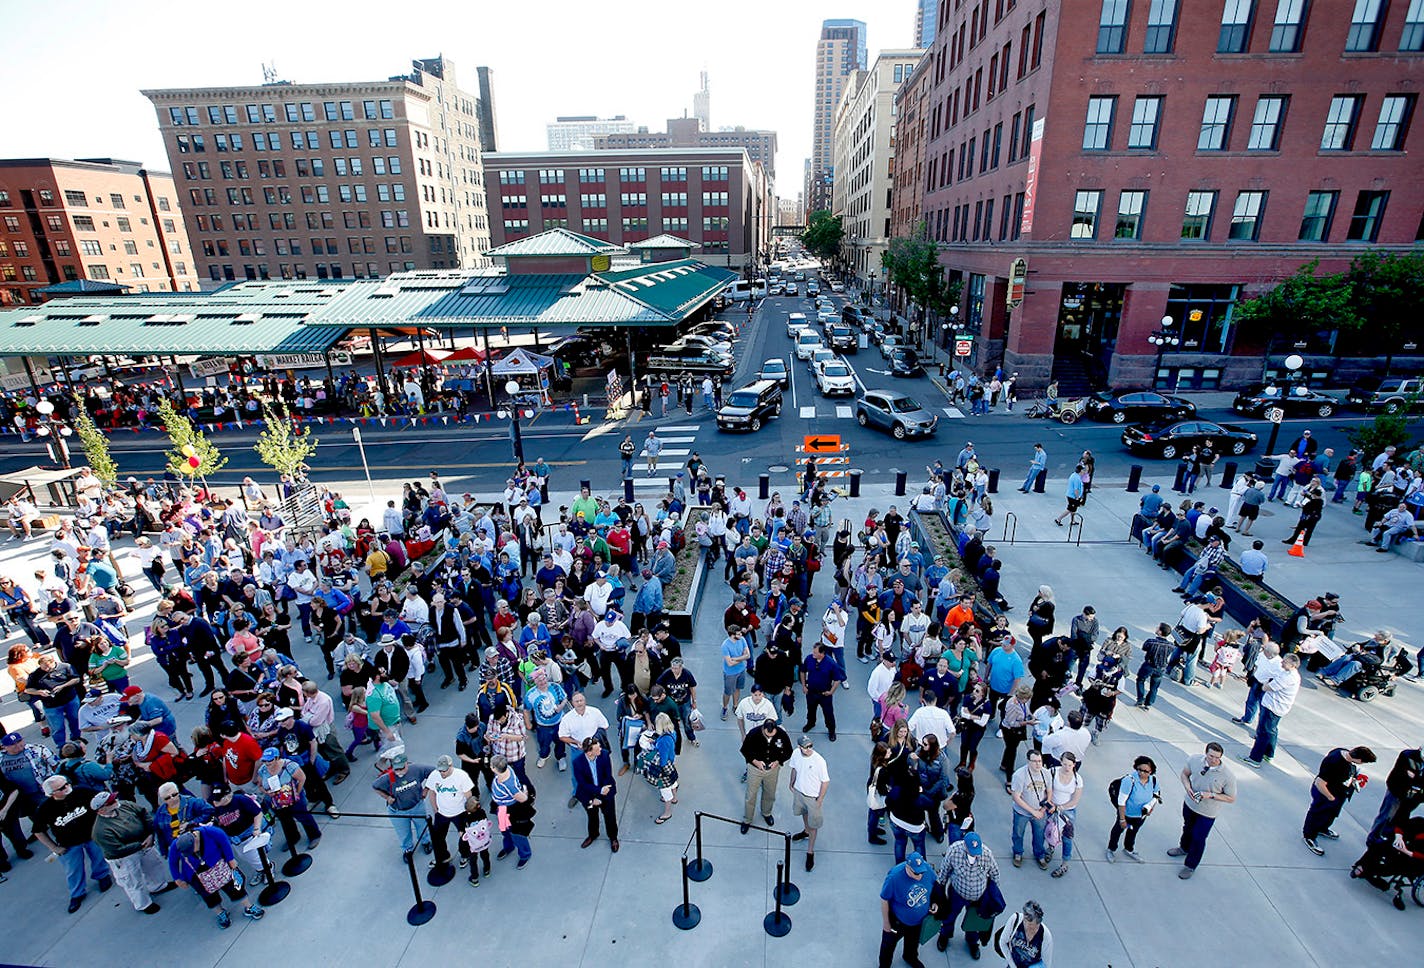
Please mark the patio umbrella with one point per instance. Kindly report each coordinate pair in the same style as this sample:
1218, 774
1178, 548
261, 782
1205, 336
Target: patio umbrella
466, 353
420, 358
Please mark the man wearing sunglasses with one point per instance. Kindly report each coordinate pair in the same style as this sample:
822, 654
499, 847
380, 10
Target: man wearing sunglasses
1209, 786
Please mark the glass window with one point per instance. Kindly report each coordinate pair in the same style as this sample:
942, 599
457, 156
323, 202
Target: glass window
1112, 27
1130, 206
1205, 314
1365, 25
1216, 123
1393, 123
1161, 27
1319, 211
1246, 216
1339, 134
1412, 39
1145, 112
1235, 36
1288, 26
1097, 129
1266, 124
1085, 214
1369, 212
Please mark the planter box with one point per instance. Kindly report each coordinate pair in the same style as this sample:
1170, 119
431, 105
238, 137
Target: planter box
680, 621
934, 533
1242, 601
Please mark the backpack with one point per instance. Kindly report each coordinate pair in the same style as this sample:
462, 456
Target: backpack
477, 835
910, 673
1115, 790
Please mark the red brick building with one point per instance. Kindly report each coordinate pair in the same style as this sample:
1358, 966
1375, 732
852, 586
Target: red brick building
1160, 158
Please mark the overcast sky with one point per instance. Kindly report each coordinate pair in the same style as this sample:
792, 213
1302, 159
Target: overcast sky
73, 69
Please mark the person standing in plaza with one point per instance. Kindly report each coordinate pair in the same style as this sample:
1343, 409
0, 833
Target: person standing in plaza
1030, 788
1268, 665
1138, 793
402, 787
597, 790
64, 822
810, 779
1335, 782
124, 832
1209, 785
652, 447
1037, 464
736, 654
1278, 698
965, 874
765, 750
904, 905
627, 450
819, 678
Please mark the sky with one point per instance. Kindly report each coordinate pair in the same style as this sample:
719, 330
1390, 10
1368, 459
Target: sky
550, 58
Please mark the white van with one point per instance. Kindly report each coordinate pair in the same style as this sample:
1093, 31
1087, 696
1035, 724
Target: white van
739, 290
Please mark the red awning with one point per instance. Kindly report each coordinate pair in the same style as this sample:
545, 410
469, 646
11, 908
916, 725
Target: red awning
420, 358
466, 353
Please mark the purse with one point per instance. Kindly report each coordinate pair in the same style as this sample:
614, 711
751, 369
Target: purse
215, 878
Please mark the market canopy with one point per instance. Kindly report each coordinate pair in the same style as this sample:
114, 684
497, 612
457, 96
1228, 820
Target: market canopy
466, 354
522, 362
421, 358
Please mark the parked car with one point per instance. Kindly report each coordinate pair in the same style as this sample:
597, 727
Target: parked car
889, 343
843, 339
895, 413
1392, 394
807, 342
776, 370
906, 362
795, 323
834, 378
751, 406
693, 359
704, 342
715, 329
837, 286
1259, 399
1138, 406
1170, 439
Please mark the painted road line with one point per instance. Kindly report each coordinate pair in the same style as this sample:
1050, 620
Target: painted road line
953, 413
692, 429
808, 413
845, 413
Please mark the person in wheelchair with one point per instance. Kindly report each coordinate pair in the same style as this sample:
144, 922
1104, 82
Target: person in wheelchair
1395, 862
1376, 658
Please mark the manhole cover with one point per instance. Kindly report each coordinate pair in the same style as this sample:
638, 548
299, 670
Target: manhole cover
778, 468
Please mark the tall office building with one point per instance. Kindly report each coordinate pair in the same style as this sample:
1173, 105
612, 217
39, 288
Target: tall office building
577, 132
840, 50
926, 20
489, 124
331, 180
95, 219
690, 133
702, 104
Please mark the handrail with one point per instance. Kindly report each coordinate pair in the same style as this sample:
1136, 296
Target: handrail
1010, 518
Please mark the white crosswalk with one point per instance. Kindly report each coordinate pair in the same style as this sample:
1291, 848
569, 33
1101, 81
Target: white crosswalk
670, 460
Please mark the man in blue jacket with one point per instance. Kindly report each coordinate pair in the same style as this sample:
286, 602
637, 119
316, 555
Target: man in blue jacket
597, 790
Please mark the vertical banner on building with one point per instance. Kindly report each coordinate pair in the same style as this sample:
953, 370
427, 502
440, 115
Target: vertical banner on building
1035, 153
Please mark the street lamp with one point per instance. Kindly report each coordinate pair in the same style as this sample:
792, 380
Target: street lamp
512, 388
1163, 338
1293, 363
57, 443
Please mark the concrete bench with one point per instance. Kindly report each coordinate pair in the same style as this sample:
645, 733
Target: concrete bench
1413, 550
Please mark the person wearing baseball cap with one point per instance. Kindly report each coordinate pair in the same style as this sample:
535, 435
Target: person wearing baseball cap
150, 709
446, 789
123, 831
966, 872
904, 905
283, 783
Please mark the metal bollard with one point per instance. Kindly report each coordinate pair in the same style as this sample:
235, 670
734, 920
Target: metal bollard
764, 487
1228, 474
628, 489
993, 480
1040, 482
854, 475
1179, 483
1134, 478
900, 479
586, 485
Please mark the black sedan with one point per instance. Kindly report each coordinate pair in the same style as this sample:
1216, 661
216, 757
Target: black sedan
906, 362
1171, 439
1261, 399
1137, 406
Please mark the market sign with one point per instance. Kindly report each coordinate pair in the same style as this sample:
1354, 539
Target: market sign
1018, 279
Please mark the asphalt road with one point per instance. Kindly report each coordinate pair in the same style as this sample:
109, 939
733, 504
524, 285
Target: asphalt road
480, 456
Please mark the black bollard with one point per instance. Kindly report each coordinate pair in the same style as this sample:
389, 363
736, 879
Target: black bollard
701, 868
276, 891
763, 487
786, 892
297, 863
1228, 474
1179, 483
1040, 482
900, 478
993, 480
1134, 478
586, 485
854, 475
686, 915
778, 922
422, 910
628, 489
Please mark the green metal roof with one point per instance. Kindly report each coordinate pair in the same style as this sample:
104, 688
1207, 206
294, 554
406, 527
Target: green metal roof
554, 300
672, 288
555, 242
664, 241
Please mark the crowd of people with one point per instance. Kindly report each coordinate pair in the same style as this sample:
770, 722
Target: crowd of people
535, 606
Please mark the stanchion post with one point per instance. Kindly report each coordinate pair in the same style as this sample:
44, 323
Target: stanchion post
628, 489
1134, 478
786, 892
901, 478
686, 915
422, 910
297, 863
778, 922
854, 474
700, 869
763, 487
276, 891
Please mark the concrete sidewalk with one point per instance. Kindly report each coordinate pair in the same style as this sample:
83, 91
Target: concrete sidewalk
1257, 899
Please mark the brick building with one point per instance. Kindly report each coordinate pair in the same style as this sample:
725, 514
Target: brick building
690, 132
1163, 159
95, 219
331, 181
716, 197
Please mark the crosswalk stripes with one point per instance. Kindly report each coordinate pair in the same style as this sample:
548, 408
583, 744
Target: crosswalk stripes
669, 460
808, 412
953, 413
844, 413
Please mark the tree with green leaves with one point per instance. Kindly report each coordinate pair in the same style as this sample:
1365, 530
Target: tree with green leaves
1301, 305
188, 442
1388, 289
96, 446
823, 235
283, 445
912, 264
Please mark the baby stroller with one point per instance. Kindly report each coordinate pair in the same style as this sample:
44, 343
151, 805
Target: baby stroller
1389, 868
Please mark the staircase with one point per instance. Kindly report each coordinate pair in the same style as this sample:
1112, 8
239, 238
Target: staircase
1073, 376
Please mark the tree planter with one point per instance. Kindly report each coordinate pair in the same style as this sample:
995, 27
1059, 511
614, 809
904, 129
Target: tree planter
935, 535
681, 595
1245, 599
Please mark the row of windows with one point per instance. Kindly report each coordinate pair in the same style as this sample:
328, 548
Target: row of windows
555, 176
1238, 20
334, 270
300, 140
1247, 213
248, 221
627, 199
1267, 122
371, 110
222, 248
674, 224
77, 199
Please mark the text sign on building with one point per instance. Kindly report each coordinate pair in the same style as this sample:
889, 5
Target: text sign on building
1035, 153
963, 345
1018, 279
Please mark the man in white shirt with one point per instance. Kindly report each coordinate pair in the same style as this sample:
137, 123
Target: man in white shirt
881, 678
414, 611
445, 791
754, 710
612, 637
913, 628
598, 594
577, 725
1075, 739
930, 718
833, 631
391, 521
810, 779
1268, 665
1279, 696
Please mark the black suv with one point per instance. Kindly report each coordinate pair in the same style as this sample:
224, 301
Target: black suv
748, 407
843, 339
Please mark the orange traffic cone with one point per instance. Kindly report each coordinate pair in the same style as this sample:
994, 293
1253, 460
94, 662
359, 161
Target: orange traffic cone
1298, 549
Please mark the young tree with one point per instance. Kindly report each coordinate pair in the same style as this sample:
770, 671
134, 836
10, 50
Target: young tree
188, 443
823, 235
96, 446
1387, 291
1301, 305
283, 445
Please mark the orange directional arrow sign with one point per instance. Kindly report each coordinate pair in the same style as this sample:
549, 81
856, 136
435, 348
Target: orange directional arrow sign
822, 443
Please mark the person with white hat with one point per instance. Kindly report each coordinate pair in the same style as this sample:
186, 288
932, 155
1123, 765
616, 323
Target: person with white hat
123, 830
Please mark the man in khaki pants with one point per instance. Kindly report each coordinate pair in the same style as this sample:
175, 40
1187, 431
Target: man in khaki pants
765, 750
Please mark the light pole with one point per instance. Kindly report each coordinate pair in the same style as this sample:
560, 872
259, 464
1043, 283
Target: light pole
1293, 363
57, 442
1162, 338
512, 388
